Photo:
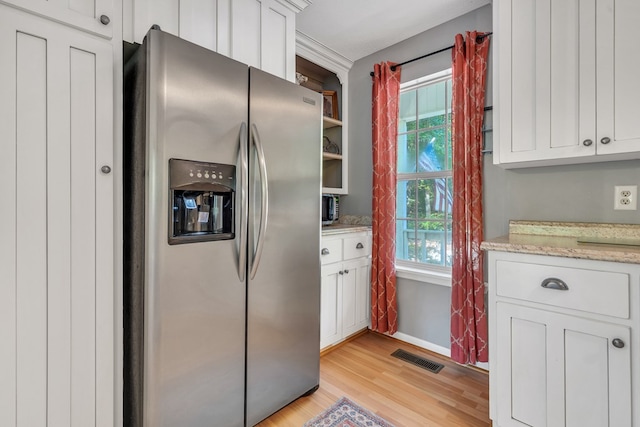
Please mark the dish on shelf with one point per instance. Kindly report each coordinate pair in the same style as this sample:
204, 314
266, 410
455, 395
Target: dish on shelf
329, 146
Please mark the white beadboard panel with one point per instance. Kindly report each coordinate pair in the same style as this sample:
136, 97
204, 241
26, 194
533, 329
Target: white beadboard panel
8, 214
528, 338
83, 234
522, 74
31, 229
587, 105
104, 276
627, 85
198, 22
146, 13
84, 7
58, 238
223, 27
565, 88
81, 14
618, 85
274, 41
586, 387
279, 40
246, 17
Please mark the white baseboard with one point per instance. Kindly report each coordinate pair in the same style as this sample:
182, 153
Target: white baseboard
423, 344
433, 347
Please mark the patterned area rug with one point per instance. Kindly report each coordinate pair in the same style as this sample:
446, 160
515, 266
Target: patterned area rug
345, 413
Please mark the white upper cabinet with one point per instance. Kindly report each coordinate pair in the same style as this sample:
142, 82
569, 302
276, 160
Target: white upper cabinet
260, 33
91, 15
564, 80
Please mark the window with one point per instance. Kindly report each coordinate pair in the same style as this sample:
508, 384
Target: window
424, 194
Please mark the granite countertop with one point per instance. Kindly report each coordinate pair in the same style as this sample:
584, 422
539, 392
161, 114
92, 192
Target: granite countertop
594, 241
348, 224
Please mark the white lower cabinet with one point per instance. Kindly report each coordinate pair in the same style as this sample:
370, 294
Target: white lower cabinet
346, 269
563, 341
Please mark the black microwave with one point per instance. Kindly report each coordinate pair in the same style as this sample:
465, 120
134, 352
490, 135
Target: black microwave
330, 209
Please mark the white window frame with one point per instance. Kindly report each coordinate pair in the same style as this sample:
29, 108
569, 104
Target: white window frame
423, 272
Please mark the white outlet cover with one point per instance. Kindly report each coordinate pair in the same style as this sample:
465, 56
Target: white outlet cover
622, 203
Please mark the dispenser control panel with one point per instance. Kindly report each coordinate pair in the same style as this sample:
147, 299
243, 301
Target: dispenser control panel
202, 201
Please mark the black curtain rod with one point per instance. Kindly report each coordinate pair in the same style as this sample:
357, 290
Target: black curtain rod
393, 68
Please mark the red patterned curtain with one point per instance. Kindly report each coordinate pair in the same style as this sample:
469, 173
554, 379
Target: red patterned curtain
468, 317
386, 91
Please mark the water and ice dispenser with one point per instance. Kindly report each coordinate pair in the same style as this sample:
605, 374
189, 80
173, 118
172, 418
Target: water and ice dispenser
202, 197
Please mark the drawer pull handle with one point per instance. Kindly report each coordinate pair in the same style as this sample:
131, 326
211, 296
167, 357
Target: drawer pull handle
359, 246
553, 283
346, 272
617, 343
324, 251
341, 272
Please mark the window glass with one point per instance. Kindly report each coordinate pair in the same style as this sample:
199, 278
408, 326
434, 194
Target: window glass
424, 198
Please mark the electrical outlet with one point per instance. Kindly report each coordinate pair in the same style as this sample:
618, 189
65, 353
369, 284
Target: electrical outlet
625, 197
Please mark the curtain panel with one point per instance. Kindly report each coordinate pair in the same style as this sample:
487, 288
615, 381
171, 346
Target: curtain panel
386, 91
468, 316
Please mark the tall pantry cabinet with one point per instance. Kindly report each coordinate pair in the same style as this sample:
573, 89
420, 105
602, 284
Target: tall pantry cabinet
57, 286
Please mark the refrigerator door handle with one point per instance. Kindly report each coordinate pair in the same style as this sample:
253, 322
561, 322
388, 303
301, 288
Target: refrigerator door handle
257, 254
244, 177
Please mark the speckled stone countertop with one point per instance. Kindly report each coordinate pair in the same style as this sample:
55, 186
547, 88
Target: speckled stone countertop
595, 241
348, 224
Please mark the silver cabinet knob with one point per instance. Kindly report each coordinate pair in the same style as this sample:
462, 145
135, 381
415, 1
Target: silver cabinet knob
359, 246
617, 343
346, 272
605, 140
587, 142
105, 169
104, 19
341, 272
324, 251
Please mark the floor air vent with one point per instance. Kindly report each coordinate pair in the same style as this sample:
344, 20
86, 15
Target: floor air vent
418, 361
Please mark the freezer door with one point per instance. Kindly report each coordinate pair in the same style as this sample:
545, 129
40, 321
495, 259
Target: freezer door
195, 292
283, 292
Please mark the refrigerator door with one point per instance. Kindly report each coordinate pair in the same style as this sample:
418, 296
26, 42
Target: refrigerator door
283, 292
195, 294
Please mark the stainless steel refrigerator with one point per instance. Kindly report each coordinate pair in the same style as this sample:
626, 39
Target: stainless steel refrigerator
222, 227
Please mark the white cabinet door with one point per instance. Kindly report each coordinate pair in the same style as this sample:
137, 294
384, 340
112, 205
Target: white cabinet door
567, 90
90, 15
263, 36
260, 33
558, 370
203, 22
330, 305
547, 76
355, 295
56, 253
618, 83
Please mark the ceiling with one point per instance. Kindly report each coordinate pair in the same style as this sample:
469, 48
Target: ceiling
357, 28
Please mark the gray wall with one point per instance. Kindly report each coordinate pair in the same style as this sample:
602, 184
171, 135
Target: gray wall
561, 193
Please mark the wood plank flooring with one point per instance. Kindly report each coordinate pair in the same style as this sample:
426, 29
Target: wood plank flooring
404, 394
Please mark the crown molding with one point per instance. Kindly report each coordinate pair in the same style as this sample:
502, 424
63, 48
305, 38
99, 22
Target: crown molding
295, 5
322, 55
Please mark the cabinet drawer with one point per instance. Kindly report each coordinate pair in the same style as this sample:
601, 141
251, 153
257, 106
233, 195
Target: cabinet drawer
331, 251
357, 247
594, 291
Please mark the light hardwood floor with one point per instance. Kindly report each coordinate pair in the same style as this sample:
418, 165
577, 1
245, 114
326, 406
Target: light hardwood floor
404, 394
